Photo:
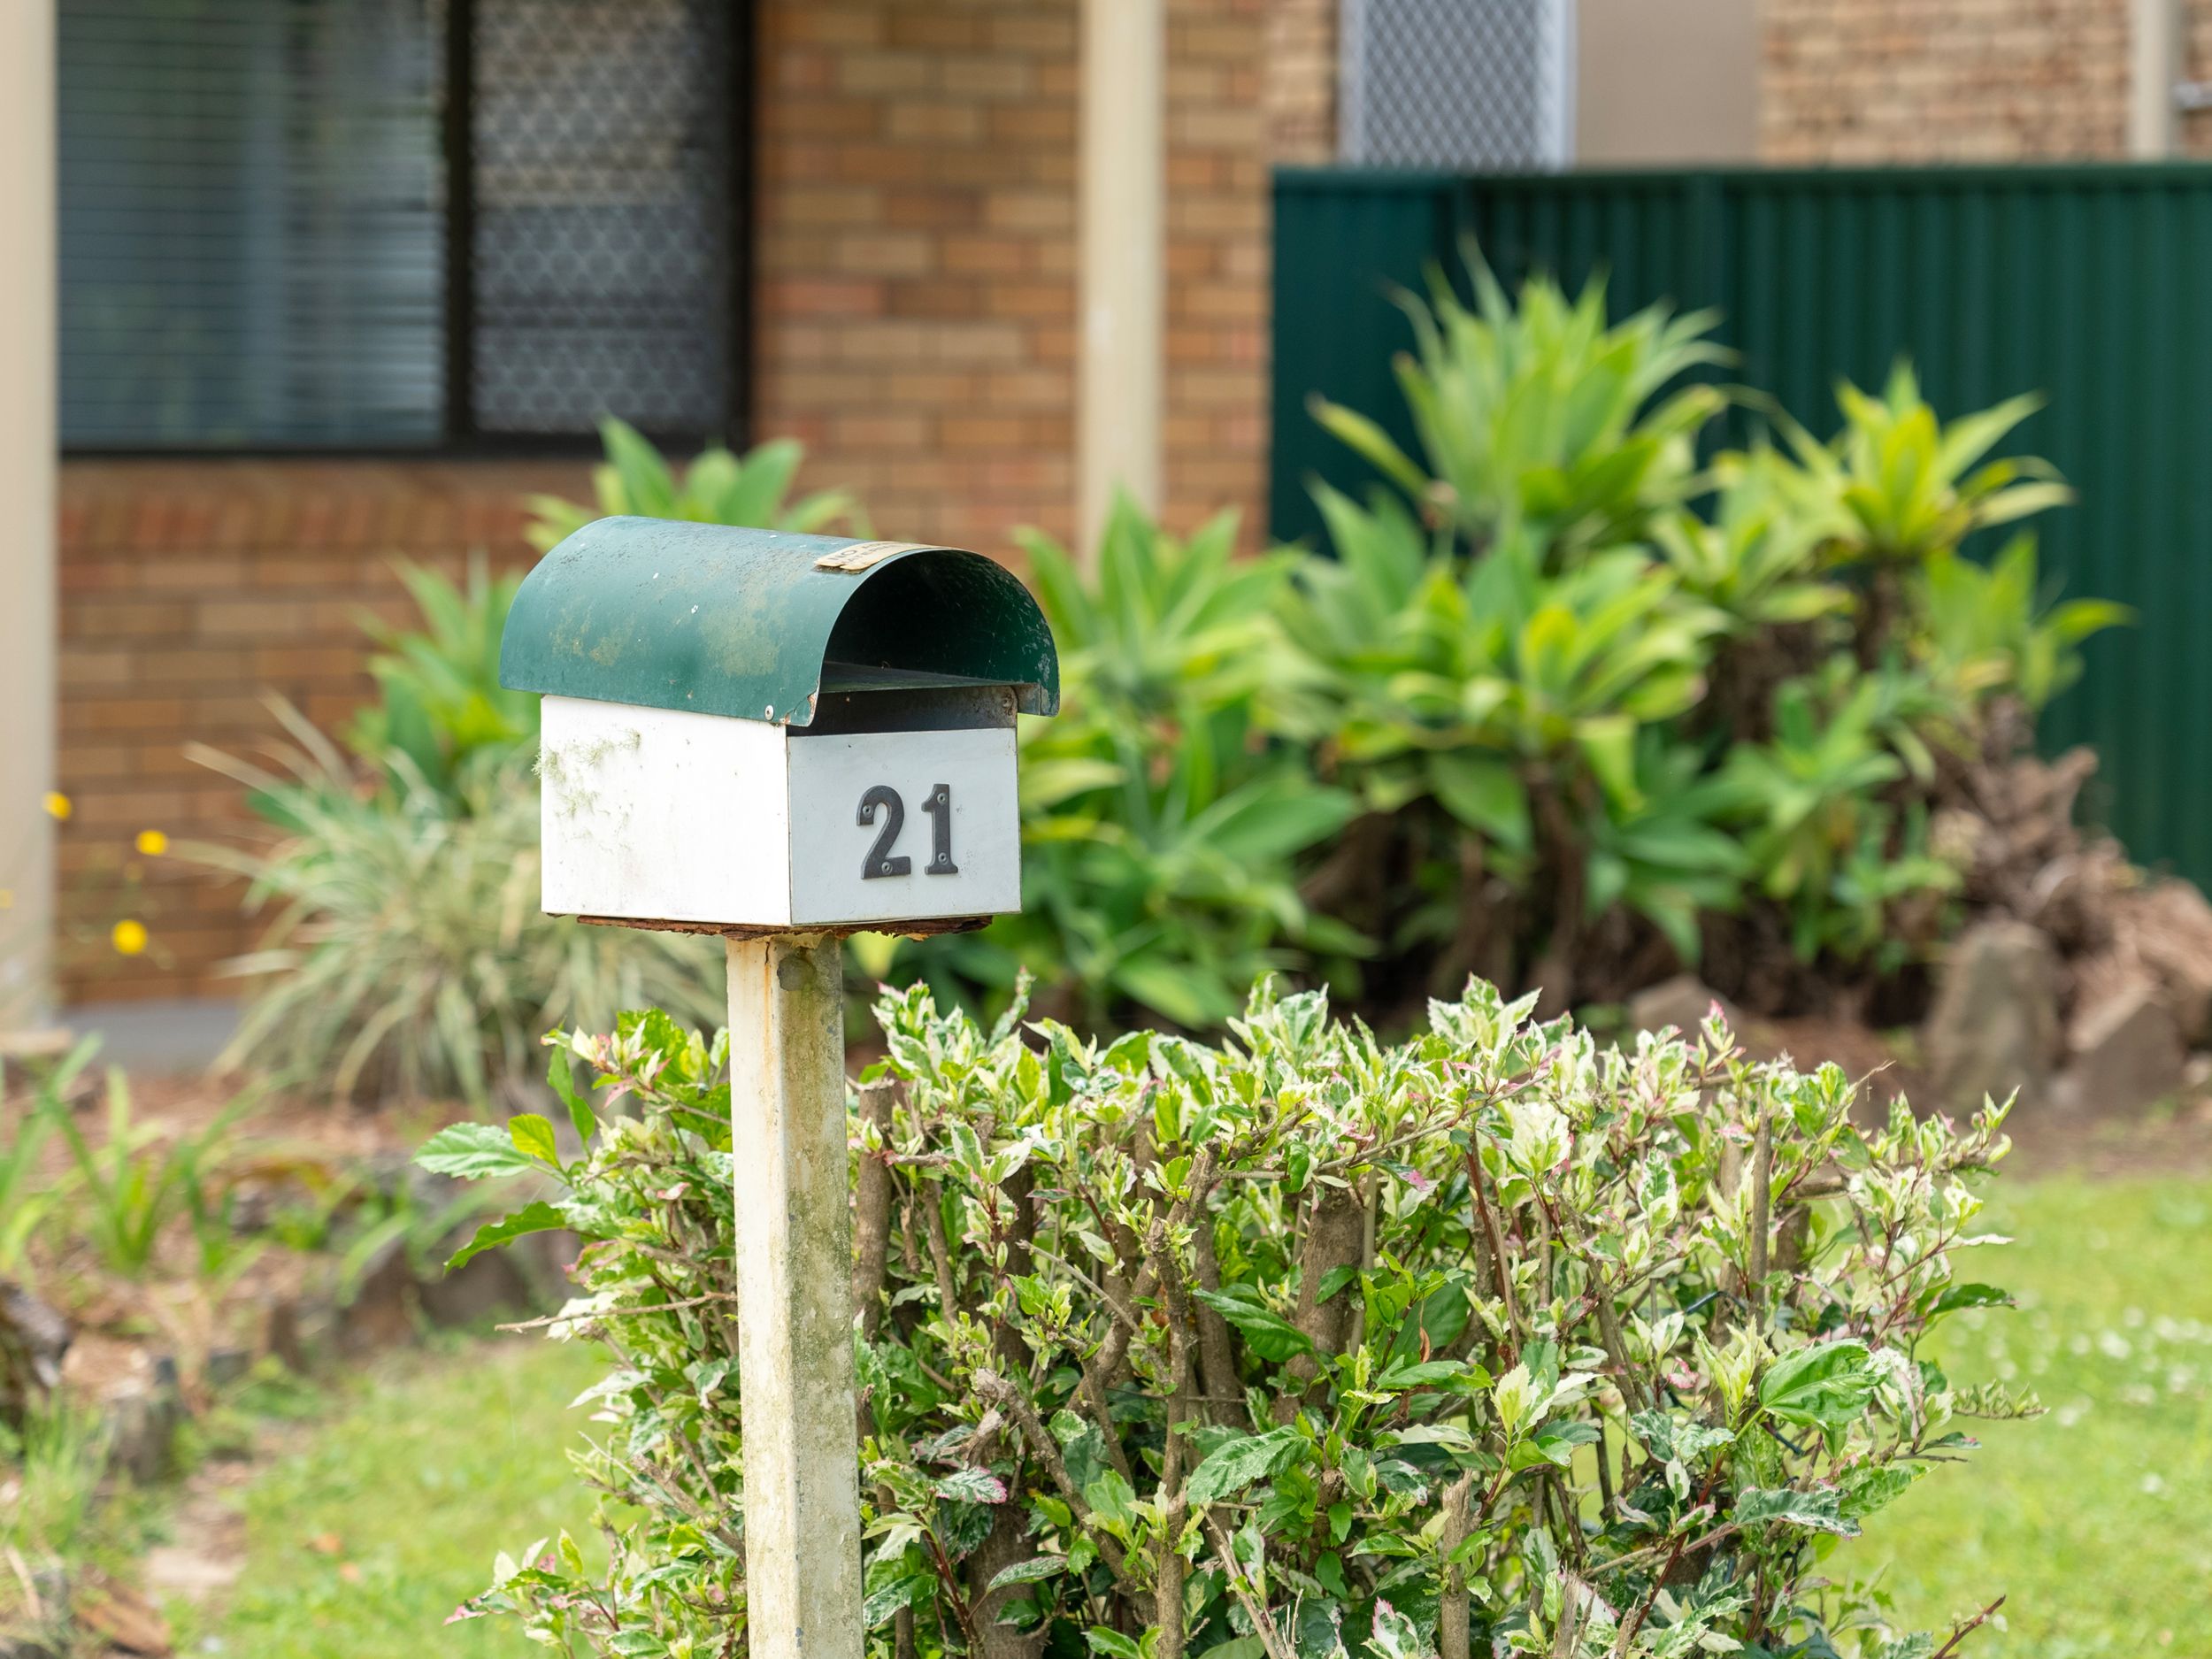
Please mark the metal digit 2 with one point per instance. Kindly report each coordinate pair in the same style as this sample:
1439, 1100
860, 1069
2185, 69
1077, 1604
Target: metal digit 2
879, 861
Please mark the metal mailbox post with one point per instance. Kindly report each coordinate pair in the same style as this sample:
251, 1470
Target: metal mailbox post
782, 739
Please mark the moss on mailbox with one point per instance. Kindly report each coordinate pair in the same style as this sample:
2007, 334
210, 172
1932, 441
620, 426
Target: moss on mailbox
739, 622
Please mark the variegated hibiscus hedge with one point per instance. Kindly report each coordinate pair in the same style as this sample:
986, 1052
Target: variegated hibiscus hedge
1501, 1341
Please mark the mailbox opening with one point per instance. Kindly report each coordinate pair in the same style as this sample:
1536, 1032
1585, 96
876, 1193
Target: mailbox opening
769, 627
932, 629
858, 698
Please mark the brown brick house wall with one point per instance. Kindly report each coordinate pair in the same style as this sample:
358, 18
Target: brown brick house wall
2193, 128
918, 256
916, 267
1864, 81
1301, 52
915, 259
189, 591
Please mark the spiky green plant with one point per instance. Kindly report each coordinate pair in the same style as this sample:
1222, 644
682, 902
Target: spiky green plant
440, 702
717, 488
1540, 417
406, 951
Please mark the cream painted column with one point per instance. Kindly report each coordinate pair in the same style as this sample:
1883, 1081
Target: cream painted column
1123, 284
27, 491
794, 1315
1666, 84
2154, 72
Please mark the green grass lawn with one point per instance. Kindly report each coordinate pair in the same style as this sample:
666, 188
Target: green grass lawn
2091, 1520
360, 1543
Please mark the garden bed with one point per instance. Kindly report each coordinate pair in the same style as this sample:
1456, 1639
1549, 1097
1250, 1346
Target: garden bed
176, 1266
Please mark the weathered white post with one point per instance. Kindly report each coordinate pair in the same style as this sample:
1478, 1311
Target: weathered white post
795, 1294
737, 725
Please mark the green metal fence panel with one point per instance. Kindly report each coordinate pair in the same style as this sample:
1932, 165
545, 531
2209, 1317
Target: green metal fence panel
2091, 285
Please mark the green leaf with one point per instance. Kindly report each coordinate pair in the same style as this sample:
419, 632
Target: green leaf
1483, 792
1609, 743
1954, 1297
534, 1218
532, 1135
1269, 1335
888, 1599
971, 1486
1112, 1642
469, 1152
1826, 1385
1112, 1498
1821, 1511
1172, 988
1396, 1635
1231, 1467
1421, 1374
1554, 1443
1369, 441
1666, 1438
638, 472
562, 1081
1335, 1279
1031, 1571
1867, 1490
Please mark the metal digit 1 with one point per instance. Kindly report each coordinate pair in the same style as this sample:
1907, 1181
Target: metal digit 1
938, 806
879, 861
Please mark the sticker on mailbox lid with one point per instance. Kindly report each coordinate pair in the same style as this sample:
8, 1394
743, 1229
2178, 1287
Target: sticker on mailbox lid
862, 555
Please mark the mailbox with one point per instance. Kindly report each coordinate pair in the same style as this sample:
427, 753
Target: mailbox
755, 730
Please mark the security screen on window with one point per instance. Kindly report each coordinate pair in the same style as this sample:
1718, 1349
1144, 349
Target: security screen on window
402, 223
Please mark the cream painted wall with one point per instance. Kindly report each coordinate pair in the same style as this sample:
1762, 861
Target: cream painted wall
26, 496
1660, 82
1121, 209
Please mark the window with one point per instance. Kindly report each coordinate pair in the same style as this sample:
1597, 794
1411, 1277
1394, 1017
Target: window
399, 224
1472, 86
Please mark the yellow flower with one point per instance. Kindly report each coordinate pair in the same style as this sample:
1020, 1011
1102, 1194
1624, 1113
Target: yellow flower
7, 898
129, 936
153, 843
58, 804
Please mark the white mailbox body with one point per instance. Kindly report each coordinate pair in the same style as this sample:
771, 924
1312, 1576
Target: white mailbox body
753, 731
660, 815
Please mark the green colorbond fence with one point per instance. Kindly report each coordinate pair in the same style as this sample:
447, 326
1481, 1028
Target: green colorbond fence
2091, 285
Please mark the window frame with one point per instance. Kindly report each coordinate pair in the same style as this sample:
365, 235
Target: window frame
459, 439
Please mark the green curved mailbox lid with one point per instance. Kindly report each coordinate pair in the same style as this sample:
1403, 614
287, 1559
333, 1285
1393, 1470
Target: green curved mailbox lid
666, 614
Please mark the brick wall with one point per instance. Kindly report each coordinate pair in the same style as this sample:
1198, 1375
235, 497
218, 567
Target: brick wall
187, 591
1919, 81
1301, 54
918, 256
1218, 261
916, 248
2194, 126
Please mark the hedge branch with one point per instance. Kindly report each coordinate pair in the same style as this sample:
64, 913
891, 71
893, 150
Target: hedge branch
1004, 1393
871, 1207
1761, 1210
1262, 1626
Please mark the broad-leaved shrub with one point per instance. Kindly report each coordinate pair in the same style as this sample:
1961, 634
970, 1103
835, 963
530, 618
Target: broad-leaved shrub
1501, 1340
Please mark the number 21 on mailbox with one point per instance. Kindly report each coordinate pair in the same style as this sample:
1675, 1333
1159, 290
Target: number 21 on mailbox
752, 730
